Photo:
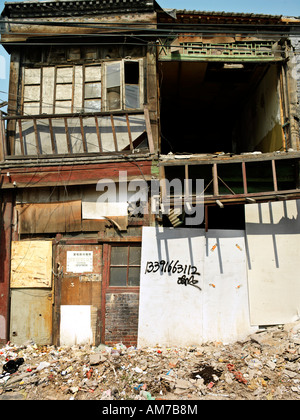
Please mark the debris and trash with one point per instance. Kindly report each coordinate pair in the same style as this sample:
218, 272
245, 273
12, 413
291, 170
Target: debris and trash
263, 366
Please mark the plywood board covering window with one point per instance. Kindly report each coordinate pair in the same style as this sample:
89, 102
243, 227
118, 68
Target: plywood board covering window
31, 264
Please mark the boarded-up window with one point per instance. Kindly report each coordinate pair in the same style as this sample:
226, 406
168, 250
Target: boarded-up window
31, 264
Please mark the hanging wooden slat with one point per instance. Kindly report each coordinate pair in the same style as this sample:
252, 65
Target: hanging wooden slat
38, 148
114, 132
21, 137
129, 133
68, 136
149, 131
82, 135
98, 135
52, 137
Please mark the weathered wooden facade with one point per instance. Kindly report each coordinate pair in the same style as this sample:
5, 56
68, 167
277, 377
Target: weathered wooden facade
101, 90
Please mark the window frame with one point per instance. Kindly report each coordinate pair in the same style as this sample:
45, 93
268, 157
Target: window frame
54, 104
122, 62
126, 287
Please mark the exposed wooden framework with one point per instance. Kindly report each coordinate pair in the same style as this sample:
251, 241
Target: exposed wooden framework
8, 151
216, 197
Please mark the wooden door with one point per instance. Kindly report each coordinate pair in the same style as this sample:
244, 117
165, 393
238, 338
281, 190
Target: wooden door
79, 291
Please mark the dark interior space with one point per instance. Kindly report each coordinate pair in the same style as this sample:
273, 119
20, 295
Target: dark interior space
215, 107
231, 217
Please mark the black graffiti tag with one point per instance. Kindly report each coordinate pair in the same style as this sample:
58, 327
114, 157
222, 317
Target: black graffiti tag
187, 272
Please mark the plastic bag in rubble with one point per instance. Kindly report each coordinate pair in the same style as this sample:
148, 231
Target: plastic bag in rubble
13, 365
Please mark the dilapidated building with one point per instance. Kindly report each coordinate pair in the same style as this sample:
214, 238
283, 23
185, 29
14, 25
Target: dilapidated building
137, 103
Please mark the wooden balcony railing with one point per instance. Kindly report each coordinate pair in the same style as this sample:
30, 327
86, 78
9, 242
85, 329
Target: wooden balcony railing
49, 135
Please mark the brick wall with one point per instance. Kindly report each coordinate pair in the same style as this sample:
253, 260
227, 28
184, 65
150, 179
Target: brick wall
121, 318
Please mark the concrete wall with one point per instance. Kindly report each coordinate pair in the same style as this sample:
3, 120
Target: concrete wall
178, 308
273, 250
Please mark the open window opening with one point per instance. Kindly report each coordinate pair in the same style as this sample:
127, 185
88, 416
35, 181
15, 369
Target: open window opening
124, 85
211, 107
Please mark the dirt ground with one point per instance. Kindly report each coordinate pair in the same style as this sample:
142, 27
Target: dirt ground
264, 366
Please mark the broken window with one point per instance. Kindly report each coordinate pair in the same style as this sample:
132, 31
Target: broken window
124, 88
125, 264
132, 87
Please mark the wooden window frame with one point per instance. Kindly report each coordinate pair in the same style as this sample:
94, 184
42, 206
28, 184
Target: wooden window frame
122, 62
107, 266
52, 102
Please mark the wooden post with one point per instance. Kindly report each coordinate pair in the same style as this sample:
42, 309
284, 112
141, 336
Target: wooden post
244, 178
274, 175
215, 179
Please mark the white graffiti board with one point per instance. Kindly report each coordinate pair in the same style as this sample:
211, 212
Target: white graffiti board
193, 287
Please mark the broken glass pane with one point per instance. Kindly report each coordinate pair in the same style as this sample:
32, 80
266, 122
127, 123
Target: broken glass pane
114, 98
132, 96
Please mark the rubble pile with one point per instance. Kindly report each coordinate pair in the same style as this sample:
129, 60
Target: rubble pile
265, 366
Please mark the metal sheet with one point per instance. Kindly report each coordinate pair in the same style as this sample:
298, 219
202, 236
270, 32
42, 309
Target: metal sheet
31, 316
273, 249
171, 297
50, 217
225, 293
193, 287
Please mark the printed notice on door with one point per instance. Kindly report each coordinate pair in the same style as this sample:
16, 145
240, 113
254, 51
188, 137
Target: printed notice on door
79, 261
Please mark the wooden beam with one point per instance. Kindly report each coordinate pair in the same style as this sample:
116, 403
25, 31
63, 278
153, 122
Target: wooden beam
274, 175
129, 132
149, 130
98, 135
244, 178
68, 136
82, 135
52, 137
3, 150
38, 148
114, 132
72, 115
